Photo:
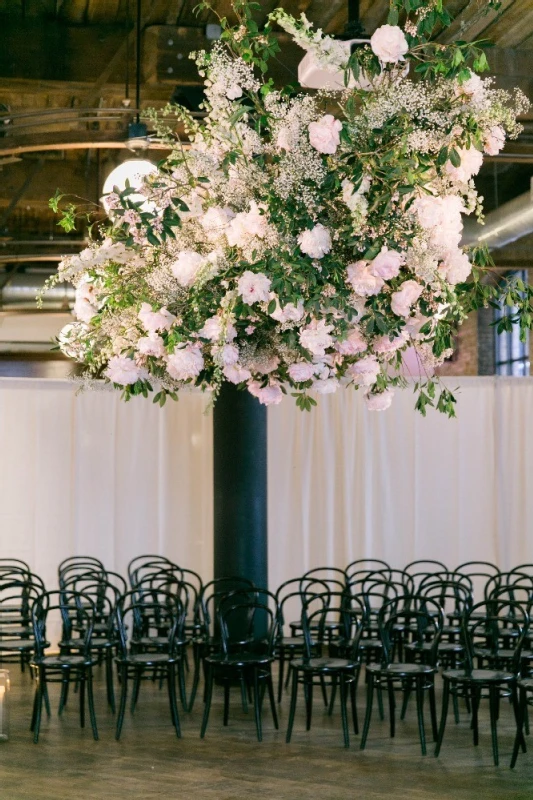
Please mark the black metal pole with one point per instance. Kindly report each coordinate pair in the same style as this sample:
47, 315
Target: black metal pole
138, 64
240, 486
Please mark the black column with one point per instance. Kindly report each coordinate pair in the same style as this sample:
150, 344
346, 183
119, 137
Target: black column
240, 486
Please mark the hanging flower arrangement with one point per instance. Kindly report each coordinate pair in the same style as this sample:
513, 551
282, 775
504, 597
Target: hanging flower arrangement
299, 242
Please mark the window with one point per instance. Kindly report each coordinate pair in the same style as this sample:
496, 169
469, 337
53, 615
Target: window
512, 355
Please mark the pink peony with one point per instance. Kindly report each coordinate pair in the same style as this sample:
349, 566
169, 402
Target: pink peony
379, 402
185, 363
386, 264
267, 395
229, 355
365, 371
456, 267
353, 344
316, 337
186, 267
383, 344
362, 280
315, 242
389, 44
213, 329
495, 140
235, 373
301, 371
324, 134
471, 161
403, 300
442, 217
325, 385
124, 371
151, 346
289, 312
154, 321
215, 221
245, 225
254, 287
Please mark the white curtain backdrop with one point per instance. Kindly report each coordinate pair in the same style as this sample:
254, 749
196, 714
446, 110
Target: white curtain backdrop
89, 474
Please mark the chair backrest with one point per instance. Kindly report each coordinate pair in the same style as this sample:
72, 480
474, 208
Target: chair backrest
71, 606
349, 614
139, 561
135, 614
82, 560
496, 625
455, 597
70, 570
17, 596
497, 582
247, 625
117, 580
292, 594
104, 595
327, 574
418, 620
420, 570
364, 564
15, 563
479, 573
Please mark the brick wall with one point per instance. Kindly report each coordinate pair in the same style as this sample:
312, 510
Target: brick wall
465, 359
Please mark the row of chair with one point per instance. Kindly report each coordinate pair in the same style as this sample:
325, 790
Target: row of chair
401, 625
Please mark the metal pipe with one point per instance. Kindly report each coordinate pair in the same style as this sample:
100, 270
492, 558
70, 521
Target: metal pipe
22, 289
505, 225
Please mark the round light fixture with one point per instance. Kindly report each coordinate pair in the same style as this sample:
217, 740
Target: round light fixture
133, 171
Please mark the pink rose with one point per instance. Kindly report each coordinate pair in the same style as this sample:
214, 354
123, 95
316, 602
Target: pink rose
386, 264
124, 371
389, 44
324, 134
403, 300
362, 279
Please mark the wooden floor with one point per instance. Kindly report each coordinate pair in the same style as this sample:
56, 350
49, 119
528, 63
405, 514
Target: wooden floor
149, 762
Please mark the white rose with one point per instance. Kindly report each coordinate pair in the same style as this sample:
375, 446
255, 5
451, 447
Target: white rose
233, 92
316, 242
456, 267
187, 266
324, 135
389, 44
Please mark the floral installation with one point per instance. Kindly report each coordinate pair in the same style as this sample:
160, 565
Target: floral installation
300, 242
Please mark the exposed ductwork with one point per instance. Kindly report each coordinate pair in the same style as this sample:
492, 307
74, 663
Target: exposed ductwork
20, 291
505, 225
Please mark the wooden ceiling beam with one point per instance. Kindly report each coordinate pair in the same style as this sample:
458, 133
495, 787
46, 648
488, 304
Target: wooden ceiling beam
473, 21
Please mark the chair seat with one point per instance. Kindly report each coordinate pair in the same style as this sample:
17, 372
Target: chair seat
401, 670
292, 641
96, 643
479, 676
146, 659
239, 659
14, 619
17, 644
21, 631
61, 661
324, 664
526, 683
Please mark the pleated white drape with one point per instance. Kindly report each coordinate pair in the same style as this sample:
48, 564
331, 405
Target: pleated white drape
88, 474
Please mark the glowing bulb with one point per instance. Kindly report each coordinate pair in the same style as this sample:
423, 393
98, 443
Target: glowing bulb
133, 171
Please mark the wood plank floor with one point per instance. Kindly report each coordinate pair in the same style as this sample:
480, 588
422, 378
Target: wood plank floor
150, 763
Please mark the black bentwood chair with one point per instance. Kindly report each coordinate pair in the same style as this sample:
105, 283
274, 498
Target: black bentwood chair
418, 623
316, 665
493, 635
53, 668
131, 616
248, 632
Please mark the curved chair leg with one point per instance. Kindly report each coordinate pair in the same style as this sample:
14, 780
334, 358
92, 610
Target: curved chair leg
208, 698
445, 701
292, 710
123, 697
353, 698
344, 714
308, 692
406, 695
90, 702
171, 678
109, 680
281, 661
392, 707
226, 702
334, 681
136, 689
257, 705
420, 713
81, 678
65, 680
433, 712
493, 703
196, 674
519, 707
368, 712
271, 697
38, 705
476, 697
181, 684
46, 698
324, 691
